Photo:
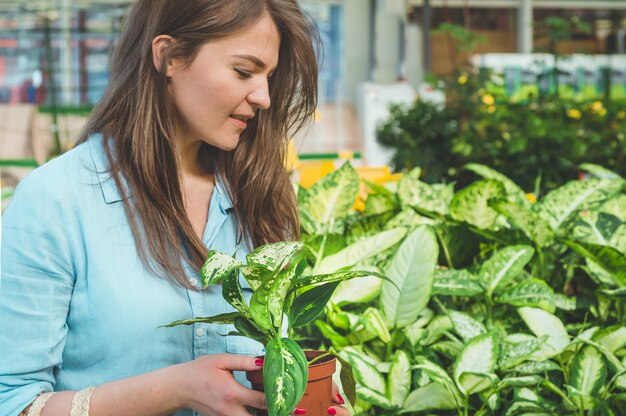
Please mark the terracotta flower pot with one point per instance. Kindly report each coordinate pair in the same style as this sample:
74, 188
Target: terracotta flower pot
319, 390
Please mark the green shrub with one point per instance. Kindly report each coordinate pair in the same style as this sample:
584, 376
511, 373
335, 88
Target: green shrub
538, 143
508, 305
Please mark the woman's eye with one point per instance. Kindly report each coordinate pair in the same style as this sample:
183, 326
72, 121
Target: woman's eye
243, 74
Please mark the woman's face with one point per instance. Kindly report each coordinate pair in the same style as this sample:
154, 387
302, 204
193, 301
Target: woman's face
225, 85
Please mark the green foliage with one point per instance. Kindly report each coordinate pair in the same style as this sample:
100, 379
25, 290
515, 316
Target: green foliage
533, 323
539, 142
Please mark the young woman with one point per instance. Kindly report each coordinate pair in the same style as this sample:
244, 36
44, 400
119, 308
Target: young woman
103, 244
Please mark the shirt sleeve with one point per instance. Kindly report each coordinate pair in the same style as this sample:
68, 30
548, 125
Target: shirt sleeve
36, 282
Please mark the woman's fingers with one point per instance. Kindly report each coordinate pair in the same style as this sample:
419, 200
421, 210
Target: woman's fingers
338, 411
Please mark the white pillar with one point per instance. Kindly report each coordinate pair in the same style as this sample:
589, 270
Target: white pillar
524, 26
357, 36
389, 24
413, 66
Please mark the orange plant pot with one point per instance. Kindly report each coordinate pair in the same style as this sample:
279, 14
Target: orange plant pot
319, 390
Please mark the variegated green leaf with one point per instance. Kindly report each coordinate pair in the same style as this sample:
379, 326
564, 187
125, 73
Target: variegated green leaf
474, 382
612, 338
559, 205
536, 367
454, 282
328, 332
308, 305
478, 356
247, 329
285, 374
610, 259
358, 290
346, 375
588, 373
333, 277
523, 381
231, 292
436, 328
466, 326
438, 375
399, 379
433, 396
543, 323
504, 266
408, 218
259, 304
599, 171
514, 354
513, 191
451, 349
361, 250
364, 371
216, 267
332, 197
225, 318
375, 322
412, 269
523, 218
533, 292
415, 193
374, 397
274, 256
471, 204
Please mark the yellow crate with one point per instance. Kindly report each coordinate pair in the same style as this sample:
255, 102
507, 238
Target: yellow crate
310, 171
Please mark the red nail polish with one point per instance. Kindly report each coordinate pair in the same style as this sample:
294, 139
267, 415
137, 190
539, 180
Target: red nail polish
299, 411
258, 362
331, 411
341, 400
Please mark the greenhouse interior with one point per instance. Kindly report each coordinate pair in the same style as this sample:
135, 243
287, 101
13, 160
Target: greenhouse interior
448, 227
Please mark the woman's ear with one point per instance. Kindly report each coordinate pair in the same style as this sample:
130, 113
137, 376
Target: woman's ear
159, 46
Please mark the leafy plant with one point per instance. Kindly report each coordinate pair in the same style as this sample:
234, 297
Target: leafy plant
508, 304
284, 296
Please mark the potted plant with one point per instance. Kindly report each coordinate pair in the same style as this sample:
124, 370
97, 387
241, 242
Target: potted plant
283, 298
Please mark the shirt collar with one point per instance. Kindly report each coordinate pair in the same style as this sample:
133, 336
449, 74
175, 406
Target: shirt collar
101, 165
110, 191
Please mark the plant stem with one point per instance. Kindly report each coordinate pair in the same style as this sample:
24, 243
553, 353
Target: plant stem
320, 357
443, 245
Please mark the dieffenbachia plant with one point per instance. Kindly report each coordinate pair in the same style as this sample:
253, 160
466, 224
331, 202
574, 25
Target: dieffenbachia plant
283, 297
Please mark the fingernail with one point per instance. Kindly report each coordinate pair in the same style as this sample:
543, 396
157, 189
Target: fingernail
331, 411
341, 400
258, 362
299, 411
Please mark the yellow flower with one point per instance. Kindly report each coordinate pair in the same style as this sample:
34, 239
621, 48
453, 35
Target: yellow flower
602, 112
621, 115
597, 106
574, 113
489, 100
531, 197
462, 79
491, 109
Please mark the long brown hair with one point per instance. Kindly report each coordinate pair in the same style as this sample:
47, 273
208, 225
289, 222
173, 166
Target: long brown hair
137, 121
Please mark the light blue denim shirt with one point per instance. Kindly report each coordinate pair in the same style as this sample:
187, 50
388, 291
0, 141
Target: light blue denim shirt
77, 307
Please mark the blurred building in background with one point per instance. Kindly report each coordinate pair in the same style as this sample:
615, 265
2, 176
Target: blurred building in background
54, 57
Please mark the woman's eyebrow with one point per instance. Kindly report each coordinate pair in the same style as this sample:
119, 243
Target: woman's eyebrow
255, 60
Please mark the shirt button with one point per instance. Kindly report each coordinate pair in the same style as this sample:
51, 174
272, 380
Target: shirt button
193, 282
199, 332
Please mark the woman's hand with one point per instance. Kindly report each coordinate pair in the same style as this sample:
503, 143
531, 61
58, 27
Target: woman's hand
338, 404
213, 391
337, 407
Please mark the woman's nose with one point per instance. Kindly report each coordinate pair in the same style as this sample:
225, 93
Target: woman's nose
260, 96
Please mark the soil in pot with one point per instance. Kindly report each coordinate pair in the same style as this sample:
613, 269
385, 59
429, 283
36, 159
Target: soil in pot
319, 390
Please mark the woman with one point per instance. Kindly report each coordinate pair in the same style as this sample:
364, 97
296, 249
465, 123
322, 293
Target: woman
103, 244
